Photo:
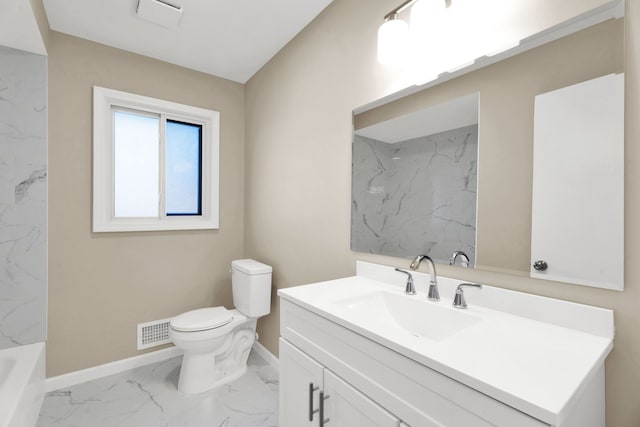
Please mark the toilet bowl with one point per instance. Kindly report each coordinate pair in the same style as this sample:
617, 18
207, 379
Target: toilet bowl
216, 342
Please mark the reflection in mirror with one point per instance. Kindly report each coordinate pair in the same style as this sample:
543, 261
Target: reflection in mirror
415, 183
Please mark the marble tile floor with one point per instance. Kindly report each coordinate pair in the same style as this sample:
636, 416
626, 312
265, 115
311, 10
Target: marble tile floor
148, 397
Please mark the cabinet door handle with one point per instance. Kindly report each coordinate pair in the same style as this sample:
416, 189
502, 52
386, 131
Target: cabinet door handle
311, 410
322, 418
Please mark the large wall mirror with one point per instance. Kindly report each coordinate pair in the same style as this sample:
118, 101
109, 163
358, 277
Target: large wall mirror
506, 94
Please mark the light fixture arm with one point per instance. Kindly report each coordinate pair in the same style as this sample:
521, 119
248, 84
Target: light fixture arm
398, 9
394, 13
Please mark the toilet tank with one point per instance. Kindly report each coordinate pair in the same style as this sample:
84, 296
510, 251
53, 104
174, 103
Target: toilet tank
251, 283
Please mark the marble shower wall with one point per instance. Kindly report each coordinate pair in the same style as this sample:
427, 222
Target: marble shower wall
416, 196
23, 197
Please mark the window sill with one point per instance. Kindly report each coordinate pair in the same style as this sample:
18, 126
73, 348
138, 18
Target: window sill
147, 224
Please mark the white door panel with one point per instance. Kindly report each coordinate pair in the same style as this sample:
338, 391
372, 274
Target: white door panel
578, 183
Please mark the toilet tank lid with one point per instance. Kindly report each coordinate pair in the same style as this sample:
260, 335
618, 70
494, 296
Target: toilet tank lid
250, 266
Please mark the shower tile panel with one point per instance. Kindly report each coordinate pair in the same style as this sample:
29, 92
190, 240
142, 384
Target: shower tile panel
23, 197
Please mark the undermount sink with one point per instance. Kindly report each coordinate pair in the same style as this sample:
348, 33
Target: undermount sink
419, 317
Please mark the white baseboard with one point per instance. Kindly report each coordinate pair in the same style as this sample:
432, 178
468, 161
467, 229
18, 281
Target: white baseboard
84, 375
266, 354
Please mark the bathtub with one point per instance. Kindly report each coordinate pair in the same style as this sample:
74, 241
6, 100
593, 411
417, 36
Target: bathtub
22, 374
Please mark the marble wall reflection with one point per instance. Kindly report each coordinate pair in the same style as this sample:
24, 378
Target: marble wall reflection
23, 197
416, 196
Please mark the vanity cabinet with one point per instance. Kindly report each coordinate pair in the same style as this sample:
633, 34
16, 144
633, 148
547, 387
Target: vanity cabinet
367, 384
302, 384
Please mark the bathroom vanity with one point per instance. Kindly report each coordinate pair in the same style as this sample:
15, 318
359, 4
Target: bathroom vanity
358, 351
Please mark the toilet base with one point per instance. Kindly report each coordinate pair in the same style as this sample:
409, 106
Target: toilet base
202, 372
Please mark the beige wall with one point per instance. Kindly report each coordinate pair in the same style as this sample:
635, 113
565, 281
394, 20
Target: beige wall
298, 166
102, 285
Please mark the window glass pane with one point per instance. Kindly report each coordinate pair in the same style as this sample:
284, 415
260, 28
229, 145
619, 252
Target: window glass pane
136, 165
184, 168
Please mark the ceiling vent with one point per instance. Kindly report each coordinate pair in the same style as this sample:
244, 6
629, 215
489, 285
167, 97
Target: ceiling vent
159, 12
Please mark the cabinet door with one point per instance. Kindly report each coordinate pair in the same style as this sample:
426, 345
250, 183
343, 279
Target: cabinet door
345, 406
577, 223
297, 371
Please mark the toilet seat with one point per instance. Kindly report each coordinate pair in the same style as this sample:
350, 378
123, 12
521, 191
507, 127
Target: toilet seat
201, 320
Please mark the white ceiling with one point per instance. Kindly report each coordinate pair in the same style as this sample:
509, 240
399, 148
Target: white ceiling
452, 114
18, 27
227, 38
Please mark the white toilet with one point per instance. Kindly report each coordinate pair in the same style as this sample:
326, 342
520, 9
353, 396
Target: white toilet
216, 341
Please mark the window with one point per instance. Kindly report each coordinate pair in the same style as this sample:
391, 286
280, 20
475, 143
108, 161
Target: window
155, 164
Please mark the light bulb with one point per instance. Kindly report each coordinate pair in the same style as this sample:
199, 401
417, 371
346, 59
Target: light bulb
428, 39
393, 41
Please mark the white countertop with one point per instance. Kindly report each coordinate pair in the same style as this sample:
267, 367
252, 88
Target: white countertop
537, 362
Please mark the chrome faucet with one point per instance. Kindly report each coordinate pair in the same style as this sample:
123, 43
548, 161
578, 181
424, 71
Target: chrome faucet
433, 294
458, 300
410, 289
463, 257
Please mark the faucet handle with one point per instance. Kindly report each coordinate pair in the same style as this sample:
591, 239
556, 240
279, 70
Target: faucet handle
410, 289
458, 300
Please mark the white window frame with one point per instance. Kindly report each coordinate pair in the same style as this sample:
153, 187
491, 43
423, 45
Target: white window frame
104, 102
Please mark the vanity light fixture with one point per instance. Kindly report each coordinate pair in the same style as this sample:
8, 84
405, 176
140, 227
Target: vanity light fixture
422, 46
431, 38
398, 43
393, 37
